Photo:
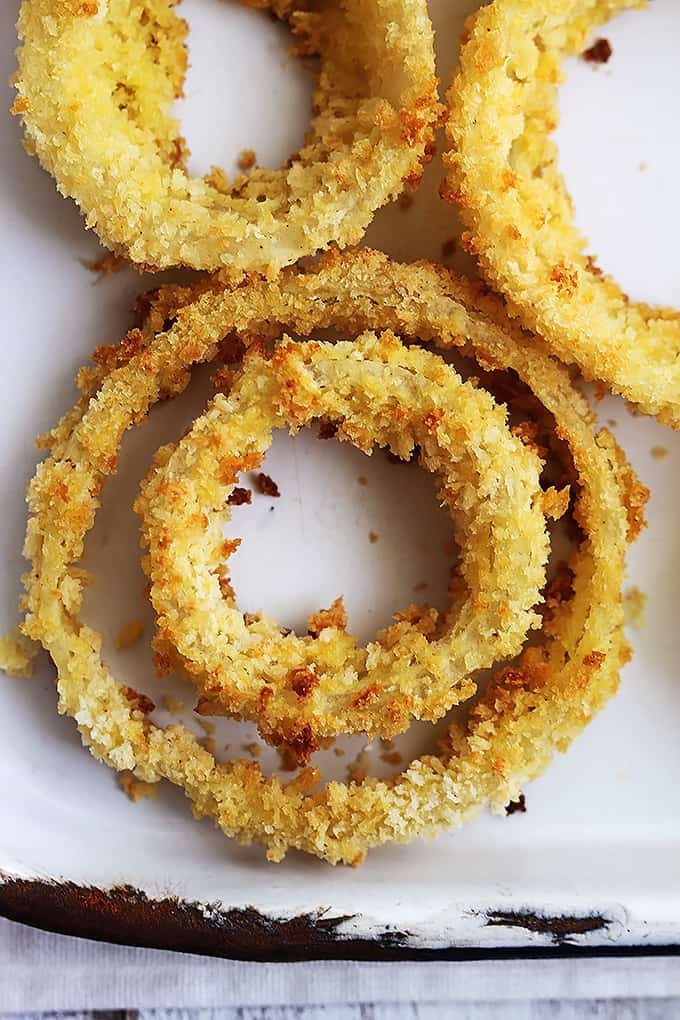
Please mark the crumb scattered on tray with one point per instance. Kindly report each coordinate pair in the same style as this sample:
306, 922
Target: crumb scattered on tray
405, 200
105, 265
659, 452
240, 496
644, 165
246, 159
266, 485
172, 705
373, 537
421, 586
135, 789
599, 52
339, 752
129, 633
517, 806
448, 248
612, 422
209, 744
634, 602
357, 770
253, 749
362, 480
17, 653
392, 757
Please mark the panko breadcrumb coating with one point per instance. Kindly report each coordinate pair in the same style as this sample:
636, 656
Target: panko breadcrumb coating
17, 653
503, 174
95, 88
528, 712
381, 394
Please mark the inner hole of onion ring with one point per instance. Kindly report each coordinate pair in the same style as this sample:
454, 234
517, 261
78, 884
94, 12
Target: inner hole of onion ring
259, 98
618, 157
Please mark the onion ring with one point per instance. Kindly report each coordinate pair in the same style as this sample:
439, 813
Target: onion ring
527, 713
105, 132
302, 689
502, 172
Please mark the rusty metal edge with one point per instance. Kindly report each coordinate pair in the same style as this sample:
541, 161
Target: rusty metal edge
128, 916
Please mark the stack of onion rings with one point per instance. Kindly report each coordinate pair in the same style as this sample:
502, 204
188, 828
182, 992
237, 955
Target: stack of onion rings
303, 689
528, 711
503, 174
103, 128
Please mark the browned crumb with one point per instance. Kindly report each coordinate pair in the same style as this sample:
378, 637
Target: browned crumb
288, 759
601, 390
135, 789
328, 430
240, 496
306, 780
339, 752
421, 586
246, 159
334, 616
209, 744
405, 200
266, 485
643, 166
599, 52
659, 452
357, 770
172, 705
131, 632
362, 480
634, 602
515, 806
556, 502
207, 727
612, 422
253, 749
106, 265
392, 757
448, 248
373, 537
217, 179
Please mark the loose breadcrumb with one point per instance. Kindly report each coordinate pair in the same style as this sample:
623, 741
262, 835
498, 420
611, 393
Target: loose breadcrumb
373, 537
362, 480
17, 653
130, 633
266, 486
136, 789
514, 807
106, 265
634, 603
172, 705
659, 452
598, 53
246, 159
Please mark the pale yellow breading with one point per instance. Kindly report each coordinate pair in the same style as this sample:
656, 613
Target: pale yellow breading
17, 653
95, 89
377, 393
503, 174
527, 713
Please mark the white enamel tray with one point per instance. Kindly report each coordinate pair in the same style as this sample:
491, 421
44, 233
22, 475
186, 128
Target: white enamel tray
595, 862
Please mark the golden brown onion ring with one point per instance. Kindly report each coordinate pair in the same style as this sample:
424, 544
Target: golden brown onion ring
503, 174
104, 129
376, 392
526, 714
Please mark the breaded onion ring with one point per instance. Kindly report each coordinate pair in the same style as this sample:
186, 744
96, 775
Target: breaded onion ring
103, 127
503, 174
527, 713
302, 689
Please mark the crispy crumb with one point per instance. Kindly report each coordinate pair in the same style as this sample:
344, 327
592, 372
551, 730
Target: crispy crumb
17, 653
339, 752
105, 265
357, 770
130, 633
362, 480
217, 179
240, 497
659, 452
135, 789
405, 200
266, 485
517, 806
599, 52
246, 159
209, 744
612, 422
392, 757
334, 616
253, 749
634, 602
172, 705
373, 537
